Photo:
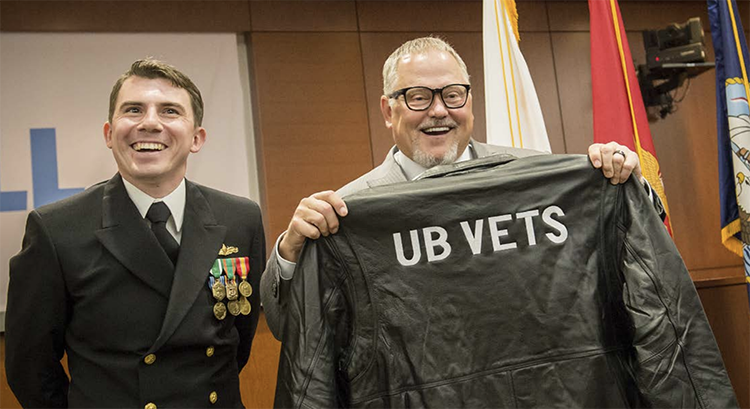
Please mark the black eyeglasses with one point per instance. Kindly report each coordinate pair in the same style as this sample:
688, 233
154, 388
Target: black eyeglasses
454, 96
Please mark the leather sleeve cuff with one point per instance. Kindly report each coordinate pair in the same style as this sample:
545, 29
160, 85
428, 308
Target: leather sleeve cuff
655, 199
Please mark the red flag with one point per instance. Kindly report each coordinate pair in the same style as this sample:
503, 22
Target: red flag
619, 114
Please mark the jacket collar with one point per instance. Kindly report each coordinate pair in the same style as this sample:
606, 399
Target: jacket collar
127, 236
394, 174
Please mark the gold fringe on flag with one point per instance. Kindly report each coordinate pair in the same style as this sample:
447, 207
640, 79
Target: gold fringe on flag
510, 6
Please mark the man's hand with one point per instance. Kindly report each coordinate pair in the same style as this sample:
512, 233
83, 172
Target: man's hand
616, 161
315, 215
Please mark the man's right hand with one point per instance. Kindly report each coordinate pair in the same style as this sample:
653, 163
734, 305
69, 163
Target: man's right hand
315, 215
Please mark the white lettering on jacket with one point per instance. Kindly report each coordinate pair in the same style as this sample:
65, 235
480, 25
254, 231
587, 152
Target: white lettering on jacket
415, 248
437, 246
431, 242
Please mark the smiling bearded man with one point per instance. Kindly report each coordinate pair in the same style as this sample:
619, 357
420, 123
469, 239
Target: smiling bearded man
427, 105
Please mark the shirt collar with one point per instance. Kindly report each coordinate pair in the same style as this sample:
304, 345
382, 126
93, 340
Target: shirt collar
413, 169
175, 201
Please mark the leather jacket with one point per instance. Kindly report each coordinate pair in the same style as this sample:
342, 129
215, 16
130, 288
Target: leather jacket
499, 283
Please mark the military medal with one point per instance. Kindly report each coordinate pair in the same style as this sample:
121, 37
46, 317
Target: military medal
220, 310
245, 306
244, 287
229, 264
234, 307
217, 287
243, 267
218, 290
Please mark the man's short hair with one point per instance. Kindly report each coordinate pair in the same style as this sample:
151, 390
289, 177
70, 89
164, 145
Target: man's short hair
416, 46
153, 69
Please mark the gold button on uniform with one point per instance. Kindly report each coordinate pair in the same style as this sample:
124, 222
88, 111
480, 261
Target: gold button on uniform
210, 351
150, 359
150, 405
213, 397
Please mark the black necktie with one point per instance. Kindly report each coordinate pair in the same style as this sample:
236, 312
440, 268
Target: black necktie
158, 214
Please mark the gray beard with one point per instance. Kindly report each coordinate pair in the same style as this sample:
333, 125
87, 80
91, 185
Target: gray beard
428, 161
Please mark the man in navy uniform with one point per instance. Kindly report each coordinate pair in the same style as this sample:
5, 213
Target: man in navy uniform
146, 280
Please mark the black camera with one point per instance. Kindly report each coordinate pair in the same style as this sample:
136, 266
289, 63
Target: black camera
678, 43
673, 55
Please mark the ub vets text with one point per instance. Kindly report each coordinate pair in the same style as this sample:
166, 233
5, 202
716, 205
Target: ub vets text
437, 247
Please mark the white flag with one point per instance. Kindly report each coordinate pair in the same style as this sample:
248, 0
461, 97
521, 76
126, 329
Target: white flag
514, 117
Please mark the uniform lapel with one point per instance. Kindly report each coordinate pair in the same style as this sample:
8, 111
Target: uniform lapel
126, 235
201, 241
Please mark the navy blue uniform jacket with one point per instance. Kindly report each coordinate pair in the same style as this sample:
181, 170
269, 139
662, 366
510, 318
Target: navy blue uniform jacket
91, 280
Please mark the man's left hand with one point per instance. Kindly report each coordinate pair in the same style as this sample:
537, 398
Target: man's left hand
616, 161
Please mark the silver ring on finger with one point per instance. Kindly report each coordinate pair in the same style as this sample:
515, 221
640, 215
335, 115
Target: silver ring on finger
620, 152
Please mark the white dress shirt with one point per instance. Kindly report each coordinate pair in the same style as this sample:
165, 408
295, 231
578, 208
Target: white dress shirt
175, 201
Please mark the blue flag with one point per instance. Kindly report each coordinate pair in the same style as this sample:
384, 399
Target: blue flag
733, 126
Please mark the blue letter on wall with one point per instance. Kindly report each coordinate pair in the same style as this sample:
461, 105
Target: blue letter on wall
44, 168
12, 201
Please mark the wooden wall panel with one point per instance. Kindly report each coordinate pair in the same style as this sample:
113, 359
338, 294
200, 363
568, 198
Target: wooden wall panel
258, 378
312, 117
125, 16
537, 50
7, 399
303, 15
532, 16
638, 15
443, 16
376, 47
571, 53
568, 16
727, 312
656, 16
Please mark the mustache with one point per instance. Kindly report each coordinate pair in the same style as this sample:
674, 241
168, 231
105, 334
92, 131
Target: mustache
438, 122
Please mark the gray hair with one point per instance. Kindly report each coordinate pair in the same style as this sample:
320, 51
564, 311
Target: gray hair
416, 46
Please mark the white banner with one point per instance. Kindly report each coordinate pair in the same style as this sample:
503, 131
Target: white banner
514, 117
54, 100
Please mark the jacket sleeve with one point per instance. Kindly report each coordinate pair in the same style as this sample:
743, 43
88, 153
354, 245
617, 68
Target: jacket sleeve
678, 363
316, 314
36, 317
656, 201
274, 294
